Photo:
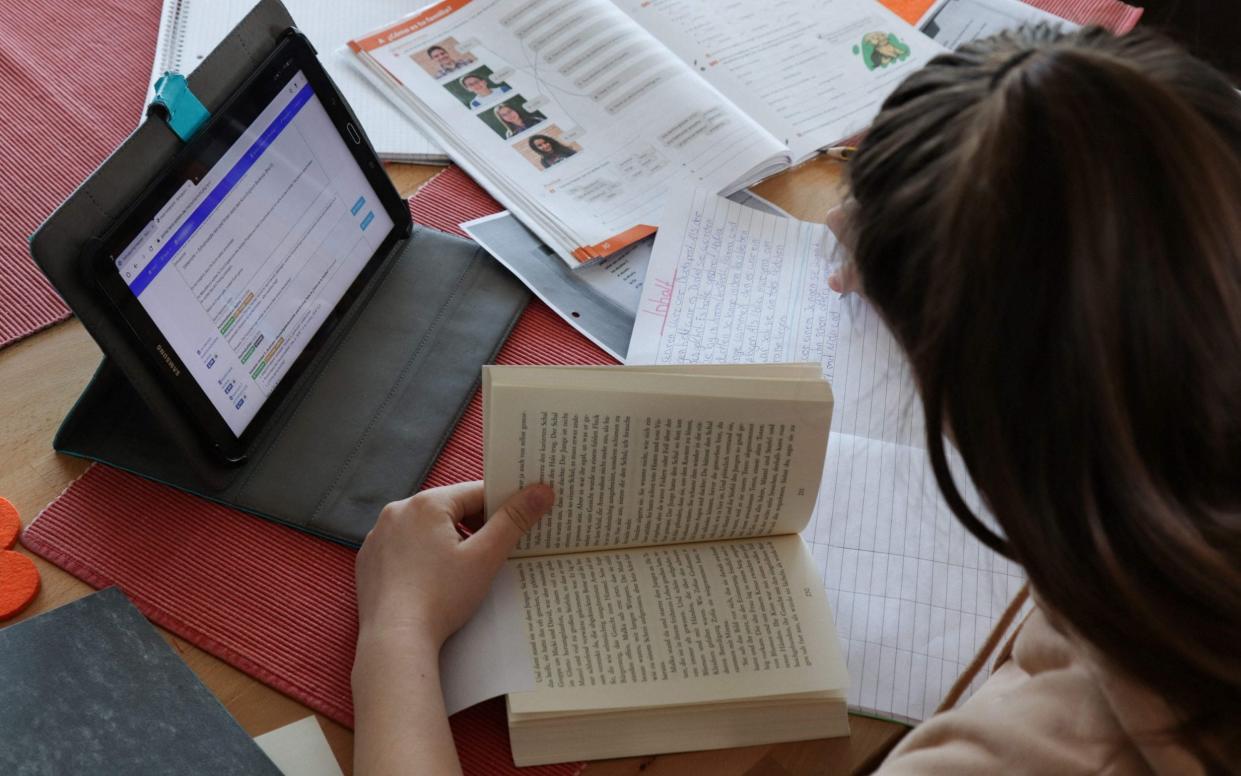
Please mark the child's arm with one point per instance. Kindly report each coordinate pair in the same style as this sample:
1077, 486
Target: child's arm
398, 709
418, 582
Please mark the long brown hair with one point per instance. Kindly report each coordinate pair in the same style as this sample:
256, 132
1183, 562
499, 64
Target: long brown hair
1051, 225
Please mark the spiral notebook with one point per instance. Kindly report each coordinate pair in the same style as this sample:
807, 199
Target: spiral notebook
189, 29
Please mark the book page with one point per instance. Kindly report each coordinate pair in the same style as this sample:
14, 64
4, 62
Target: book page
676, 624
569, 113
657, 458
190, 29
913, 593
813, 72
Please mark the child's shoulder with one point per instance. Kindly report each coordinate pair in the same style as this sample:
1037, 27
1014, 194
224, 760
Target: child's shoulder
1050, 708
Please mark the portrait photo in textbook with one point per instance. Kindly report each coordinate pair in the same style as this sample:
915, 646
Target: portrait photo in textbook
477, 88
547, 147
511, 118
443, 58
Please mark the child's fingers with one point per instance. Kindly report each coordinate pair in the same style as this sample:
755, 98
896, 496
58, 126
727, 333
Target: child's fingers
500, 534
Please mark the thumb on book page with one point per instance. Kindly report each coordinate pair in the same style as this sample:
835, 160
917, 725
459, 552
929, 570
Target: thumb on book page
500, 534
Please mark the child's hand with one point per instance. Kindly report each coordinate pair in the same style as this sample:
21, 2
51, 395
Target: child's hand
418, 582
417, 578
844, 279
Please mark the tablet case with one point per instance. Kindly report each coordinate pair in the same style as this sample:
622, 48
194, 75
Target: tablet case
363, 423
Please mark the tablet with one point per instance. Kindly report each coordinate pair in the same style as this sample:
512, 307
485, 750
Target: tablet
235, 264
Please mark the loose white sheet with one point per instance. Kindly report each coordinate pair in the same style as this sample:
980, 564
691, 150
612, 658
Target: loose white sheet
913, 594
954, 22
599, 300
490, 655
300, 749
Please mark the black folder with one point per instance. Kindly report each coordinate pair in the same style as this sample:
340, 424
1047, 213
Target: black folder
363, 423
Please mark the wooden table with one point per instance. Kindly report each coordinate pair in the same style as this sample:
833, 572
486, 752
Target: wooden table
41, 377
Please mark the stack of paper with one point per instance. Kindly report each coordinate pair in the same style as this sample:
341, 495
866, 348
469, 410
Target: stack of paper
914, 594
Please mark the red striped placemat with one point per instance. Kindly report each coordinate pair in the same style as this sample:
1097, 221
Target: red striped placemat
276, 603
74, 77
1112, 14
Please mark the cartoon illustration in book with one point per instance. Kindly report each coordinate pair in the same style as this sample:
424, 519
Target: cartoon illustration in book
880, 49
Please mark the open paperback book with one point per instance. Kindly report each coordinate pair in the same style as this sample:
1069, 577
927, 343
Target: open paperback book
580, 115
666, 603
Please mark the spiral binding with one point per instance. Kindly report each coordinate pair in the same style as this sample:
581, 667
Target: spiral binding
173, 36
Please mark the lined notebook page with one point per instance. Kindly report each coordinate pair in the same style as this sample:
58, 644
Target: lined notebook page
914, 595
913, 592
190, 29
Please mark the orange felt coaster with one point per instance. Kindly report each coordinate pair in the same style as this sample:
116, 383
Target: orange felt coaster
19, 583
10, 524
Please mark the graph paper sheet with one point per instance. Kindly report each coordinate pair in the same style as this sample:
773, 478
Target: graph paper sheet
914, 595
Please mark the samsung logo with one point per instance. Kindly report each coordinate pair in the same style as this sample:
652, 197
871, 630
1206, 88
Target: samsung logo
168, 360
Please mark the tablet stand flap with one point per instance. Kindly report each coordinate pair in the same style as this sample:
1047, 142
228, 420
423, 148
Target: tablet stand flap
60, 244
364, 423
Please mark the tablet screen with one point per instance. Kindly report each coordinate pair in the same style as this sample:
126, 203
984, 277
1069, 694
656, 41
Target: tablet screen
248, 257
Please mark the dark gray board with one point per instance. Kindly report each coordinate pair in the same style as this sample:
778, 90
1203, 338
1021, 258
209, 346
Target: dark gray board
92, 688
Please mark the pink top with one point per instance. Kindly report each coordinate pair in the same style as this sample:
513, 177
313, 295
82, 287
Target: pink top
1052, 708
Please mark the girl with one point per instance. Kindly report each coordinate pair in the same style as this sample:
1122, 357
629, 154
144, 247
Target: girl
514, 121
1051, 226
550, 150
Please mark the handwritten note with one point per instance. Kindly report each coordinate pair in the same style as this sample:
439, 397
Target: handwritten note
914, 595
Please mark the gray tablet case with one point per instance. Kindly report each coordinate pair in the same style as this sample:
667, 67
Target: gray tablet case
91, 688
362, 425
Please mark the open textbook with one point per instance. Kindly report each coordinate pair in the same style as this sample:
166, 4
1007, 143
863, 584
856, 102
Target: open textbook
666, 603
580, 115
190, 29
914, 594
